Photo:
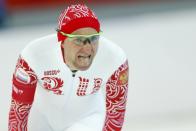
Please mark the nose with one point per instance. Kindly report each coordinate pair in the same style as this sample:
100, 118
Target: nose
87, 41
87, 47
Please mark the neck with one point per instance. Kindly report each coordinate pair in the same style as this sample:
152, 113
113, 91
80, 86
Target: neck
73, 73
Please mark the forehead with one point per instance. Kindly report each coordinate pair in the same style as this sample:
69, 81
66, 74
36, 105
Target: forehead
84, 31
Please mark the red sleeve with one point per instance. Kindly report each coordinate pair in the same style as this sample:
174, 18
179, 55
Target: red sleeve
116, 96
23, 88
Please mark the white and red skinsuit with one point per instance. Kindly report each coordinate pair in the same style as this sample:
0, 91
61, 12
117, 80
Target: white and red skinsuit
48, 96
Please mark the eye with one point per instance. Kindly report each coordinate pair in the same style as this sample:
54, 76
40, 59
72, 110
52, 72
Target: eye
78, 41
94, 38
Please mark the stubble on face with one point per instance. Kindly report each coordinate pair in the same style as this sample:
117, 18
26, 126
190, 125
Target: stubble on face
80, 58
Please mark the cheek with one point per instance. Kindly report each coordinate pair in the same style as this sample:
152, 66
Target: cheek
70, 50
95, 49
73, 53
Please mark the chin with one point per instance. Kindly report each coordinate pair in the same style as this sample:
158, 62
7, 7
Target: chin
83, 68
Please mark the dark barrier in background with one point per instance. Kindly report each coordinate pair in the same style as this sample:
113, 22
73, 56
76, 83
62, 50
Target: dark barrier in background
31, 12
26, 4
2, 12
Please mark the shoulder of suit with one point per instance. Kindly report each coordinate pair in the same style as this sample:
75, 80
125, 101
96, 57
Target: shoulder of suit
111, 51
42, 44
109, 57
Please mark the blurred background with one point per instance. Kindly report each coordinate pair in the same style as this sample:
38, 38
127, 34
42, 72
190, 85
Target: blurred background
158, 37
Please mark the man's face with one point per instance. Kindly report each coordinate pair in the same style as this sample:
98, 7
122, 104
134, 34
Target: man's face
80, 57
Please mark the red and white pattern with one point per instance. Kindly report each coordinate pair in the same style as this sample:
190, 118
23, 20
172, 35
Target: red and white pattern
24, 82
116, 96
53, 84
97, 85
23, 73
82, 86
18, 116
23, 89
73, 12
51, 72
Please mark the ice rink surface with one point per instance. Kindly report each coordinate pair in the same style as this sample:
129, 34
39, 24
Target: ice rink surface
161, 49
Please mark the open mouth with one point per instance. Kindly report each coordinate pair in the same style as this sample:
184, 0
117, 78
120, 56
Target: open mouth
84, 57
84, 60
